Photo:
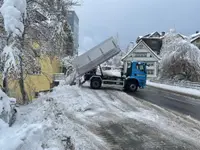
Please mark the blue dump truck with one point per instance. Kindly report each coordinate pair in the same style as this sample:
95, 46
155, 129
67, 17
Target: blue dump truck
130, 79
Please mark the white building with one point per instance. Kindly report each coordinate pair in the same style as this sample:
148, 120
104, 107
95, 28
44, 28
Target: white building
142, 52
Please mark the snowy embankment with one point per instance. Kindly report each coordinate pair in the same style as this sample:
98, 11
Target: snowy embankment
177, 89
70, 111
48, 122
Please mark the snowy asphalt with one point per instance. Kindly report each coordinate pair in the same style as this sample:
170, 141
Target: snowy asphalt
143, 130
176, 102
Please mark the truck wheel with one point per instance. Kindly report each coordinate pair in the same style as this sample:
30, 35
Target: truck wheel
95, 83
132, 87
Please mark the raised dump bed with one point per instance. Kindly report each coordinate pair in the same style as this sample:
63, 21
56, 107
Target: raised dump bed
96, 56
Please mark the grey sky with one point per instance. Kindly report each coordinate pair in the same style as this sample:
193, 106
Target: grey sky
100, 19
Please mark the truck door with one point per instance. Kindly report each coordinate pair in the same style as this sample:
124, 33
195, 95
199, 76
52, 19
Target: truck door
139, 71
129, 69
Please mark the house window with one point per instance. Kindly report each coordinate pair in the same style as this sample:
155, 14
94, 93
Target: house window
150, 64
140, 54
150, 71
140, 46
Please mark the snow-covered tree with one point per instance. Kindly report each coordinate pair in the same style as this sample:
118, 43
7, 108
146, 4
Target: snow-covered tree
130, 47
55, 28
40, 22
180, 59
168, 40
14, 14
67, 64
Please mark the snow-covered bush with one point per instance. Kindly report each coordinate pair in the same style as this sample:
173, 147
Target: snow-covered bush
180, 59
67, 63
6, 109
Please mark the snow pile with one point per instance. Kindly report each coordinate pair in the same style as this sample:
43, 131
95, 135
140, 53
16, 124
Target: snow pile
24, 137
48, 122
180, 83
180, 59
182, 90
13, 12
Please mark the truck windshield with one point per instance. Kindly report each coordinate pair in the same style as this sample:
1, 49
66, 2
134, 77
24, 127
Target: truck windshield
141, 67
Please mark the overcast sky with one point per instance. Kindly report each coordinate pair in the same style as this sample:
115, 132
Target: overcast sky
100, 19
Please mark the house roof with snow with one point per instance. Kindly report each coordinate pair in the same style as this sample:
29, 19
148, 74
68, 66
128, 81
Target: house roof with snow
194, 39
194, 35
153, 35
135, 47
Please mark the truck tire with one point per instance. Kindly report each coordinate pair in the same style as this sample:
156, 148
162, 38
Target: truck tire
95, 83
131, 87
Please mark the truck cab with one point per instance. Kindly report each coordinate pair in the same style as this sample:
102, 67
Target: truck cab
135, 76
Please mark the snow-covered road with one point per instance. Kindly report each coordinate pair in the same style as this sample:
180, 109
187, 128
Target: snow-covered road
98, 119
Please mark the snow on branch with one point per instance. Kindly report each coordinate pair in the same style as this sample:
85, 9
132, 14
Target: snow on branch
10, 56
180, 59
14, 11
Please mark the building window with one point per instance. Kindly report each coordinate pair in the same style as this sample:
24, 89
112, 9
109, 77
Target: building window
150, 64
141, 46
150, 71
140, 54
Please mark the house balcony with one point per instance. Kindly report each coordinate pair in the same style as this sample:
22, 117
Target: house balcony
151, 67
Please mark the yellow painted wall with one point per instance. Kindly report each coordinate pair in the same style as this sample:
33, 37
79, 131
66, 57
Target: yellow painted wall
36, 83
